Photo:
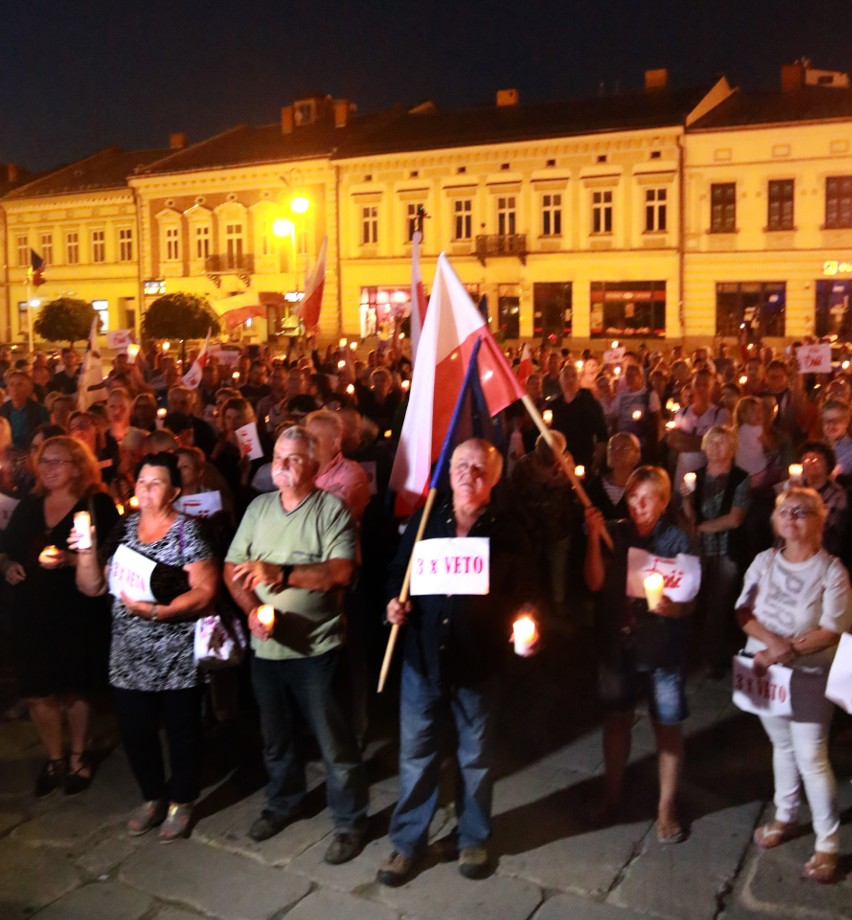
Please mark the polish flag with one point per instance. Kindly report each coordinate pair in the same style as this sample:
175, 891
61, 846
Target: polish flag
192, 378
418, 297
451, 328
311, 304
525, 368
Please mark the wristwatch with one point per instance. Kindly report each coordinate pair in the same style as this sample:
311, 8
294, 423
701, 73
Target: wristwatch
154, 608
286, 572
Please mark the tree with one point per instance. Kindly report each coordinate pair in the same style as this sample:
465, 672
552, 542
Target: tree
65, 320
179, 316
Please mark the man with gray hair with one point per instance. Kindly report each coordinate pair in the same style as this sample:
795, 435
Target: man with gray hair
293, 553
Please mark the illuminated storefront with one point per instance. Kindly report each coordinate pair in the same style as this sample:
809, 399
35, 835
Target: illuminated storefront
625, 309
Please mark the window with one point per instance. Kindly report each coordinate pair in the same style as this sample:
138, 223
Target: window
623, 309
102, 306
462, 219
780, 209
202, 243
72, 247
234, 244
506, 215
172, 244
723, 207
833, 313
23, 245
756, 305
413, 216
602, 212
551, 214
125, 244
838, 201
369, 225
655, 210
98, 246
46, 251
552, 309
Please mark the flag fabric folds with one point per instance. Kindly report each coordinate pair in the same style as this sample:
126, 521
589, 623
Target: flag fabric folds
311, 304
192, 378
91, 387
35, 273
418, 296
450, 331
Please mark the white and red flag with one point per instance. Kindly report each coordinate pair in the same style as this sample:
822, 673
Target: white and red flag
192, 378
450, 331
418, 295
311, 303
525, 367
91, 386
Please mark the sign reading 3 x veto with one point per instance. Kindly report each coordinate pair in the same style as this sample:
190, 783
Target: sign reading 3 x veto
451, 565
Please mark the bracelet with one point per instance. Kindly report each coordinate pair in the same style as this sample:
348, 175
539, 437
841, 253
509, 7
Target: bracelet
154, 608
286, 572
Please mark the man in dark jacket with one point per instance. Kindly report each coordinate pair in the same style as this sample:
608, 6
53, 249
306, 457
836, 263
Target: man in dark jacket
21, 411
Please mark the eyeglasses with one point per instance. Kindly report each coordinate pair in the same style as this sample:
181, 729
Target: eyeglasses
794, 513
52, 461
296, 460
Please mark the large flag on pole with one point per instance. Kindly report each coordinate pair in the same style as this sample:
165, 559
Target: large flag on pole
192, 378
418, 296
91, 387
35, 273
309, 308
450, 331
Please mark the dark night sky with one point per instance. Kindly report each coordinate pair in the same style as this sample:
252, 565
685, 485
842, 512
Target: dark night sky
79, 75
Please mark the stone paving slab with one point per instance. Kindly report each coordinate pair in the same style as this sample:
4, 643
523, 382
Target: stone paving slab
325, 905
31, 878
211, 881
564, 906
10, 817
106, 856
17, 776
18, 737
99, 901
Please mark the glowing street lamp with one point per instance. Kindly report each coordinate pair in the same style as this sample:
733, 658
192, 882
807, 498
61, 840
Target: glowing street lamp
299, 204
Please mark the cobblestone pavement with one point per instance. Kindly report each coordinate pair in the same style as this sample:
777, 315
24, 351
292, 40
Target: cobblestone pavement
70, 858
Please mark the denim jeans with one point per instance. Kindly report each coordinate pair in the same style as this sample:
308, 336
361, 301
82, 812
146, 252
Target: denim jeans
426, 712
311, 684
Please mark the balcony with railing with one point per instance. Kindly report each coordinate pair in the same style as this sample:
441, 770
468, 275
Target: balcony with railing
229, 263
502, 244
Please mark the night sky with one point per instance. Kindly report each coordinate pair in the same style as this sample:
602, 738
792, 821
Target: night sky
80, 75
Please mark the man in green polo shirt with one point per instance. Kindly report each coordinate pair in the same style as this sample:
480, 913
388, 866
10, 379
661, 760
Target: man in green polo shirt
295, 551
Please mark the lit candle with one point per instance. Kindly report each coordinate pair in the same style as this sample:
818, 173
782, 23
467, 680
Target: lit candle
133, 502
341, 365
402, 335
50, 557
617, 370
547, 415
579, 367
83, 529
689, 481
795, 470
579, 471
845, 365
132, 352
119, 508
406, 385
615, 345
342, 343
167, 346
236, 375
654, 589
524, 632
388, 433
743, 380
266, 615
671, 423
637, 414
350, 389
353, 345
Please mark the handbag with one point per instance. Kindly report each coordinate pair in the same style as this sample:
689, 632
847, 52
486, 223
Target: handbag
839, 686
219, 642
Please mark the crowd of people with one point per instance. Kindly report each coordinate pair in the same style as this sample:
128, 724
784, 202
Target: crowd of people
733, 456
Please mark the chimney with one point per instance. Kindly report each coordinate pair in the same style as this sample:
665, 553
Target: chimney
341, 113
177, 141
507, 97
11, 173
656, 80
287, 119
792, 77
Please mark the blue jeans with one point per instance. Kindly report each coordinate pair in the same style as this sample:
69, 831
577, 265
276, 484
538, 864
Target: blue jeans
310, 683
426, 712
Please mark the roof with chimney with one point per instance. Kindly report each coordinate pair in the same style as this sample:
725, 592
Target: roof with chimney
106, 169
803, 104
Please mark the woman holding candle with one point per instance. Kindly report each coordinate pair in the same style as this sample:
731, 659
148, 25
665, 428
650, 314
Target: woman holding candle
152, 667
640, 646
60, 636
794, 606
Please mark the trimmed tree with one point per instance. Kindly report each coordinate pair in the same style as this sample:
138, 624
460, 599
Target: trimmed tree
179, 316
65, 320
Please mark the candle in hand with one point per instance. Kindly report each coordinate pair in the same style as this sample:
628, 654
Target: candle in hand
654, 589
579, 471
689, 480
524, 633
83, 529
637, 414
266, 615
795, 470
50, 557
547, 415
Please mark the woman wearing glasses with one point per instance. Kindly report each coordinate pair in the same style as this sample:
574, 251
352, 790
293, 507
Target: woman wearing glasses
794, 606
60, 636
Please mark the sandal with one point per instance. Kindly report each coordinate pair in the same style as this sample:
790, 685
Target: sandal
821, 867
146, 816
775, 833
176, 824
79, 780
49, 779
670, 833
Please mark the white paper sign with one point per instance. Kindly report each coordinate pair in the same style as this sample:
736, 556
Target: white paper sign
7, 506
764, 696
226, 358
249, 441
839, 687
201, 505
814, 359
681, 575
118, 339
130, 573
614, 355
451, 565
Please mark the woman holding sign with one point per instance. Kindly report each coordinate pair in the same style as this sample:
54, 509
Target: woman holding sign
60, 636
641, 643
794, 606
162, 576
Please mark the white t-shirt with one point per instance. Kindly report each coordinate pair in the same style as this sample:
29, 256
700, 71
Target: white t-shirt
791, 598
